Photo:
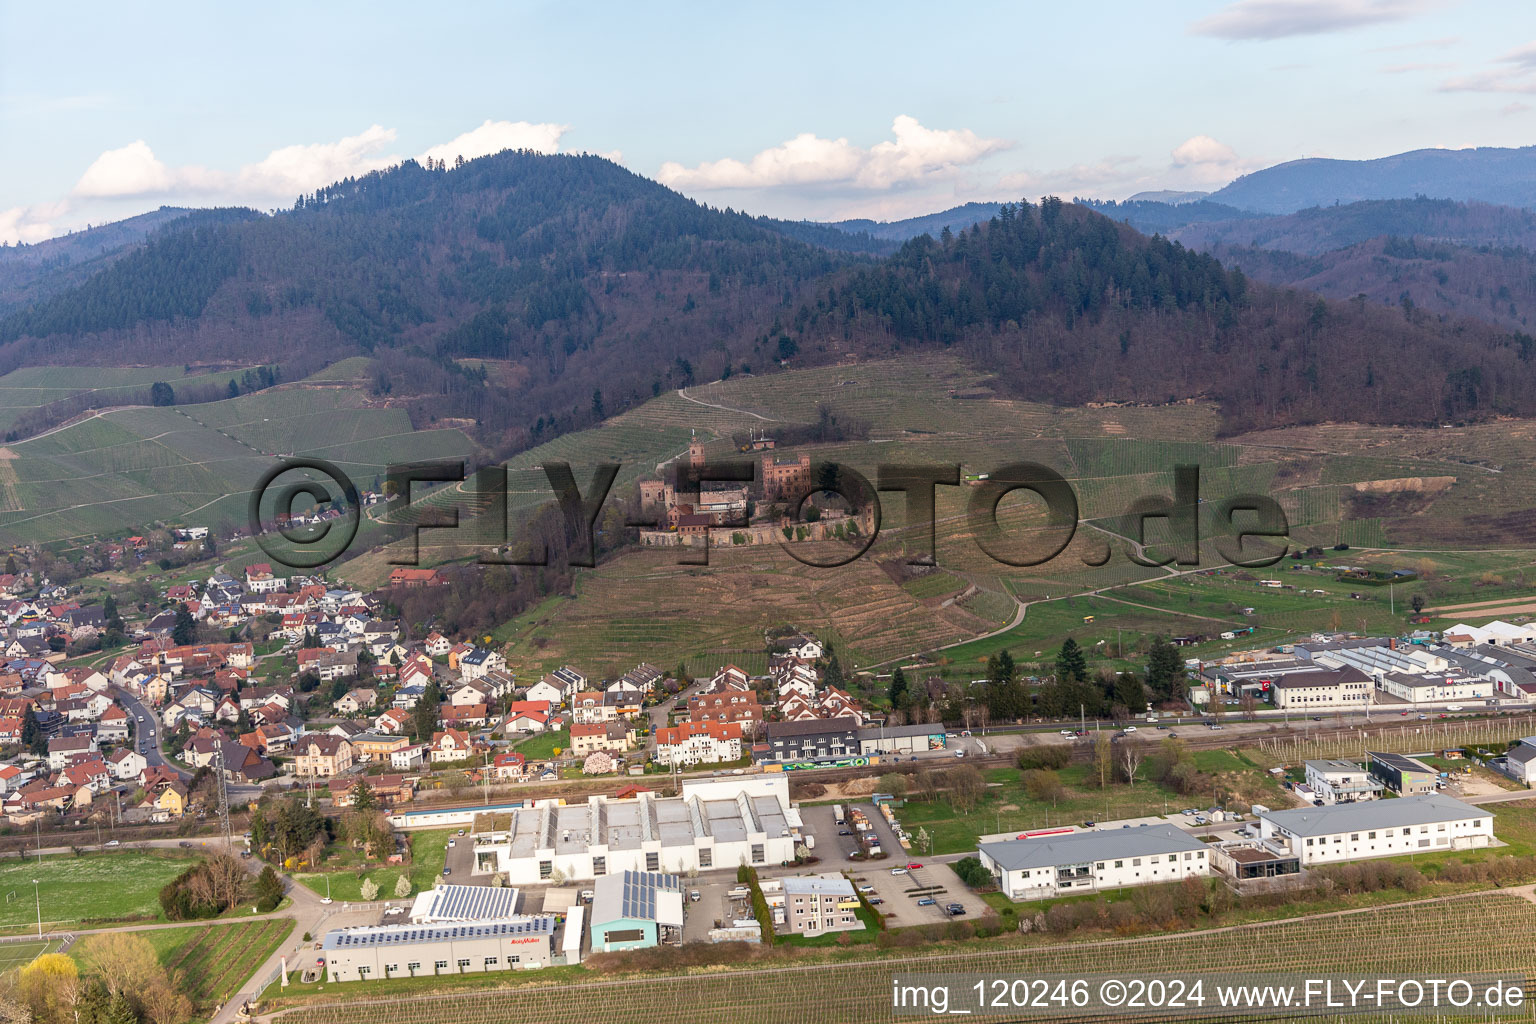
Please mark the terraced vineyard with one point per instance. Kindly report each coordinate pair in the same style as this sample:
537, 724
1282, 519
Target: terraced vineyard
1383, 942
215, 960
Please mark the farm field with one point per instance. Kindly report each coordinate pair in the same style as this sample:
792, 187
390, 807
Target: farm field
96, 887
429, 849
853, 988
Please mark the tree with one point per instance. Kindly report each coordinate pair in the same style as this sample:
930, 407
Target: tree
1071, 664
1043, 785
49, 986
125, 963
362, 796
403, 886
369, 889
898, 691
1166, 674
895, 784
1131, 756
1129, 693
1103, 759
966, 785
161, 393
185, 630
32, 736
1418, 603
269, 890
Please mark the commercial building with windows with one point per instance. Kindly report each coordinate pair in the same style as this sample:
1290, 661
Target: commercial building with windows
713, 824
424, 951
1403, 774
1044, 866
635, 910
1323, 688
1379, 828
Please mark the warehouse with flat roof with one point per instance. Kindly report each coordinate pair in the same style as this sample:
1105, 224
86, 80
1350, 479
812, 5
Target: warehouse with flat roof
1377, 828
425, 951
635, 910
1044, 866
444, 904
712, 824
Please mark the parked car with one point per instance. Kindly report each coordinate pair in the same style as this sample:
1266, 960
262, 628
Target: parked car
450, 844
954, 909
927, 901
898, 871
447, 871
866, 888
845, 832
694, 895
875, 901
1130, 729
587, 895
392, 911
112, 842
1066, 732
913, 866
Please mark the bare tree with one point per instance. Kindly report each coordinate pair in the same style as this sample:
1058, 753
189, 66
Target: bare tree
1131, 756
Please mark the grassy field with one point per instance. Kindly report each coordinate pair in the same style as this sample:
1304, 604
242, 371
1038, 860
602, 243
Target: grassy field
429, 848
853, 988
98, 887
542, 746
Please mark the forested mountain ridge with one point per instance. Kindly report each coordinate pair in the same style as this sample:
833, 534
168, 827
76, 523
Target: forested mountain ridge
1505, 177
1443, 256
532, 295
1074, 308
596, 287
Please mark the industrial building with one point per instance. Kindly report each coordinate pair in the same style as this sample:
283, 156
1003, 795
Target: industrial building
1402, 774
712, 824
424, 951
636, 910
1046, 866
1377, 828
455, 904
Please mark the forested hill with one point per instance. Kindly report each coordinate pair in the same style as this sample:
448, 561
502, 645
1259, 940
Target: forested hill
595, 287
534, 294
1073, 307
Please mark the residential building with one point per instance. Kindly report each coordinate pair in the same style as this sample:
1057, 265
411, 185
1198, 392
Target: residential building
818, 904
698, 743
319, 755
1341, 782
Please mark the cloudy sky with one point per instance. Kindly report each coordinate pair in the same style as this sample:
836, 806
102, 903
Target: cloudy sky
811, 110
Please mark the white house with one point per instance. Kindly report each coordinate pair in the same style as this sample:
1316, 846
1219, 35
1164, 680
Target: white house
1341, 782
545, 691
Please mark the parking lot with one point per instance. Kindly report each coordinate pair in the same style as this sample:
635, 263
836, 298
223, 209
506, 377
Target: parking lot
899, 894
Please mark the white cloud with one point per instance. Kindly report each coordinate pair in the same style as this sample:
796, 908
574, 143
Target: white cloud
1201, 150
135, 172
1279, 19
293, 169
914, 155
495, 136
31, 223
131, 171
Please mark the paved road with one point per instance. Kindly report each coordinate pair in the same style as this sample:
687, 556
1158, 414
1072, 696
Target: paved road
148, 732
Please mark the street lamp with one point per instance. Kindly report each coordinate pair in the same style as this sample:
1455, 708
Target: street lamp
38, 895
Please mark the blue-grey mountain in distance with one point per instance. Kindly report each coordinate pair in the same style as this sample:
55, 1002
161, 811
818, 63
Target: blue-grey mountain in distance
1506, 177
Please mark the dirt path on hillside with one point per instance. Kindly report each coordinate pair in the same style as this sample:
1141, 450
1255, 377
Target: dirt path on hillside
1505, 607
